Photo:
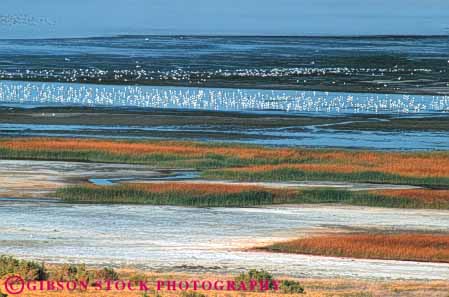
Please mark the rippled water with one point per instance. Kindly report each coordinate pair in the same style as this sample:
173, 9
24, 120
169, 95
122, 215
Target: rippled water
221, 99
200, 240
311, 136
396, 64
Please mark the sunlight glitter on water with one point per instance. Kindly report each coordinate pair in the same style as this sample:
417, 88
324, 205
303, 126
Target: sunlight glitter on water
216, 98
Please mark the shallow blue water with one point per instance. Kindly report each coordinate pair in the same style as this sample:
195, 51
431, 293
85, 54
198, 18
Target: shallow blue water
166, 52
177, 176
309, 136
408, 64
221, 99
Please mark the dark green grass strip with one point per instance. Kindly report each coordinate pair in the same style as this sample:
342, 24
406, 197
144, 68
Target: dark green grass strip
128, 195
288, 174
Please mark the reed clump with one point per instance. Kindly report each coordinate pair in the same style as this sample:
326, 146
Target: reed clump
229, 195
181, 194
401, 246
244, 162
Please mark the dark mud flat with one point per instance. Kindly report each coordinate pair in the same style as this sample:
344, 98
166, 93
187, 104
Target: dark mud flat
437, 123
158, 117
106, 116
366, 131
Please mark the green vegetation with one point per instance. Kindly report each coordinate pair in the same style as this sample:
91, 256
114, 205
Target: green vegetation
244, 162
161, 160
79, 272
291, 287
69, 272
365, 198
29, 270
257, 275
106, 274
291, 174
285, 286
126, 194
216, 166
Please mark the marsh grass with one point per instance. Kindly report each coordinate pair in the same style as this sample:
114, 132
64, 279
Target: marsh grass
128, 194
405, 246
244, 162
413, 198
290, 174
219, 195
157, 159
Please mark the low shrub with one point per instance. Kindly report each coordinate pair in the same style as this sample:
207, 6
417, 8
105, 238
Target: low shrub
257, 275
29, 270
69, 272
106, 274
291, 287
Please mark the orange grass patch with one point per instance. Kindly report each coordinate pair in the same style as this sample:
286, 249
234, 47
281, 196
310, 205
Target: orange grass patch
432, 165
303, 167
419, 165
199, 188
406, 246
188, 149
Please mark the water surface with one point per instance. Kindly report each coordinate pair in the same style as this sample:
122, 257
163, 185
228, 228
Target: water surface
219, 99
305, 136
385, 64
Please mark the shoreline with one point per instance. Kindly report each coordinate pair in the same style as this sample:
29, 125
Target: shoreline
316, 287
